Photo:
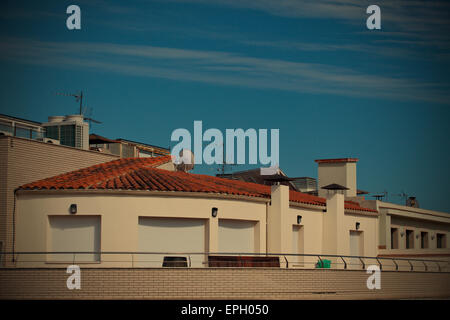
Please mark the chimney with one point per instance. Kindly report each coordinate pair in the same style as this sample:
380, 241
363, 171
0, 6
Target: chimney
340, 171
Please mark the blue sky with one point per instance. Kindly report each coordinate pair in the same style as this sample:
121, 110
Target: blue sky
309, 68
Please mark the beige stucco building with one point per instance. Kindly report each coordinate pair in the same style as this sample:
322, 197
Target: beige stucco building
402, 231
142, 206
129, 217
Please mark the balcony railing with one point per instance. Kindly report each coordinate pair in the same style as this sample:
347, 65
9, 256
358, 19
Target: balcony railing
127, 259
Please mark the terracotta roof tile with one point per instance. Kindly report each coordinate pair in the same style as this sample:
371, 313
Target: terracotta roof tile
143, 174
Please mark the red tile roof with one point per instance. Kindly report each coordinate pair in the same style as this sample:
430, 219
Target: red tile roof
143, 174
336, 160
353, 205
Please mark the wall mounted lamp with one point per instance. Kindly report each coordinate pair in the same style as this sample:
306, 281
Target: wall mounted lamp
357, 225
402, 234
73, 208
214, 212
299, 219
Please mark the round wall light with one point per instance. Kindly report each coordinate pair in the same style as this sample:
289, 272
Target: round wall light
73, 208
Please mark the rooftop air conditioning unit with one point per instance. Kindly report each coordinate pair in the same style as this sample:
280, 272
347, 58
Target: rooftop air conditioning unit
48, 140
5, 133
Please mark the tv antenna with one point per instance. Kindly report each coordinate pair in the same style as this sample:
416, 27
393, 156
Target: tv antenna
402, 195
79, 98
224, 166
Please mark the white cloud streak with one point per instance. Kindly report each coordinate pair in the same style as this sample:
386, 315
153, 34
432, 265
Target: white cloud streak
219, 68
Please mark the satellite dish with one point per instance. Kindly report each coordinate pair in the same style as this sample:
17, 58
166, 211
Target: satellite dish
185, 162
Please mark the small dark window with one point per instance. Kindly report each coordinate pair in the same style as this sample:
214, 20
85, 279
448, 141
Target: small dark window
441, 241
394, 238
409, 239
424, 240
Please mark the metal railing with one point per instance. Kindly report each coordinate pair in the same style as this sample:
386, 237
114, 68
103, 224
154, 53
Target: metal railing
129, 259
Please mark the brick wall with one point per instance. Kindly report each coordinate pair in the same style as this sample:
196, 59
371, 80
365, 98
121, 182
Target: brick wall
219, 283
24, 160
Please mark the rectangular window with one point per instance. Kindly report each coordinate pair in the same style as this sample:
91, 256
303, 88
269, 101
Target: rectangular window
6, 127
441, 241
424, 240
71, 234
409, 239
394, 238
23, 132
36, 134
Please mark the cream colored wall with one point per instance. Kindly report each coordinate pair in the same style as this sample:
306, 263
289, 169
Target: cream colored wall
324, 232
433, 228
281, 217
24, 161
418, 220
237, 236
278, 229
351, 179
332, 223
69, 233
311, 225
384, 221
337, 224
330, 173
368, 227
176, 235
119, 218
340, 173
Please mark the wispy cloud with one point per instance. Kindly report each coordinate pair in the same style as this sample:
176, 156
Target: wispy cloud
408, 26
222, 68
379, 47
406, 17
429, 12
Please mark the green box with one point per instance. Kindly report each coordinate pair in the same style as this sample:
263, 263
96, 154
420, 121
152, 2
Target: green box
323, 264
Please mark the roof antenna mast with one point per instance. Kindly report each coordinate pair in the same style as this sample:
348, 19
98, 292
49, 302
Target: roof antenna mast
79, 98
225, 165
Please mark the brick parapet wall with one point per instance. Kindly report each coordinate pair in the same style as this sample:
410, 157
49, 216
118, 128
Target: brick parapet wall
219, 283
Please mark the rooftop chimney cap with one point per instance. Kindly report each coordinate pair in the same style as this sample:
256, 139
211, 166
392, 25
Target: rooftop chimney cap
334, 186
337, 160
